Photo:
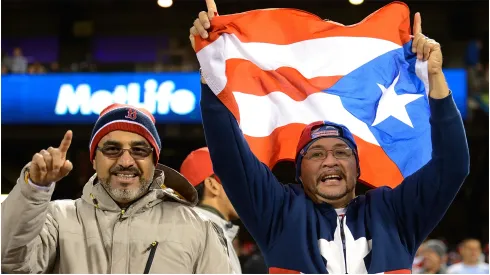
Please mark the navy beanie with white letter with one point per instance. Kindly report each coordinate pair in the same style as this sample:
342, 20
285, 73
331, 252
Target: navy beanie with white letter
128, 118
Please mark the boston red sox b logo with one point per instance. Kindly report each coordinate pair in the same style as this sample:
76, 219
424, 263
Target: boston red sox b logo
132, 114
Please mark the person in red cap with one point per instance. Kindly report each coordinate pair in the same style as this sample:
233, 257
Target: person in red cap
215, 205
319, 225
135, 215
213, 202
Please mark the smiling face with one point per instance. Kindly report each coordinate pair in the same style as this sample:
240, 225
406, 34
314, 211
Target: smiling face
329, 172
126, 178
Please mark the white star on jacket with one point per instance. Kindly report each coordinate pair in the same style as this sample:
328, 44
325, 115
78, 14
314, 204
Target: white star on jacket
356, 251
392, 104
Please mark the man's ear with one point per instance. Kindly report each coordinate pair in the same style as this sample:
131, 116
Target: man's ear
212, 186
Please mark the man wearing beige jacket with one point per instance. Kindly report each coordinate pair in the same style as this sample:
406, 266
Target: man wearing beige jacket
135, 215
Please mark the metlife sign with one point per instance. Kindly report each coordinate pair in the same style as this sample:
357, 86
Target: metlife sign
79, 98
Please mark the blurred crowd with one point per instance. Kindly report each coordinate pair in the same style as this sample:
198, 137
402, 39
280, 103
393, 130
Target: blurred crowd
468, 257
18, 63
174, 57
477, 76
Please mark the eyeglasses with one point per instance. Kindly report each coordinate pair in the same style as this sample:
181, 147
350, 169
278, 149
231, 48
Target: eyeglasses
137, 152
321, 154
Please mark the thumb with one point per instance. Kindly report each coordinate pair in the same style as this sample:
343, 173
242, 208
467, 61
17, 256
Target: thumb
66, 168
212, 13
212, 9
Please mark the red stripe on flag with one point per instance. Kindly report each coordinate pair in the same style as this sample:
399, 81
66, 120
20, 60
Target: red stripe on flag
245, 77
308, 26
266, 149
377, 169
229, 101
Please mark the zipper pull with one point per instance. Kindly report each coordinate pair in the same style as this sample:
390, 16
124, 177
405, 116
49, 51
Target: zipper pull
94, 200
152, 245
122, 214
152, 248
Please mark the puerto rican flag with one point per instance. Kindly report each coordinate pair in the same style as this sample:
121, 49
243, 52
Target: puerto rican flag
278, 70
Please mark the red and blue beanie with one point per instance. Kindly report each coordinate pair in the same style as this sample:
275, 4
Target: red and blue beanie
128, 118
323, 129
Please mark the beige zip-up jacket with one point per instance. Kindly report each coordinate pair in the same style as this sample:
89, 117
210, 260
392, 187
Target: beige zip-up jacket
160, 232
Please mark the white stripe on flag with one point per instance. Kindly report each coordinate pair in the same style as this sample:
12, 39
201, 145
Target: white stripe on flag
260, 115
421, 70
331, 56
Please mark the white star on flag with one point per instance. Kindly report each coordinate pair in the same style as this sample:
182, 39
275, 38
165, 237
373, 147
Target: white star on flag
392, 104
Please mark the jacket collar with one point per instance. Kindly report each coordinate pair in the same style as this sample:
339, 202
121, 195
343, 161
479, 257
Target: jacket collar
229, 229
212, 210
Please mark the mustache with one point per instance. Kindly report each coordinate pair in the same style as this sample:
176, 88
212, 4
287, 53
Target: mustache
117, 169
336, 170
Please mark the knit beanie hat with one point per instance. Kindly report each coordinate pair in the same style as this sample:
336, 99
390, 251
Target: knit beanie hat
125, 118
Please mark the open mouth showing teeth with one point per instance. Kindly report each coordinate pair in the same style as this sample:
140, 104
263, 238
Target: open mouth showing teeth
331, 177
126, 176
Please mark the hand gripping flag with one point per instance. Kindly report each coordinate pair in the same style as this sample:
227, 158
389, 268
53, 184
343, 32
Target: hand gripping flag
278, 70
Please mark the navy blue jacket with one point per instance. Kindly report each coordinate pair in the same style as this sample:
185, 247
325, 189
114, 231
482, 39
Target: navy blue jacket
380, 231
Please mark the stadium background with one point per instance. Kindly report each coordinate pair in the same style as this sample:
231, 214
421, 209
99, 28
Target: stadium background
105, 43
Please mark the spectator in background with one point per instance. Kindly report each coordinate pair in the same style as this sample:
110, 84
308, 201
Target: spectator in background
6, 60
36, 68
418, 261
54, 67
88, 64
471, 251
213, 202
18, 62
434, 257
215, 205
5, 69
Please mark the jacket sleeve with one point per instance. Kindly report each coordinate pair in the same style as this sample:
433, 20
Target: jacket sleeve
254, 191
214, 256
423, 198
29, 231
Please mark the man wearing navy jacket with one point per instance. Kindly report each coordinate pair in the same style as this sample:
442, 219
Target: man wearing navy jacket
320, 226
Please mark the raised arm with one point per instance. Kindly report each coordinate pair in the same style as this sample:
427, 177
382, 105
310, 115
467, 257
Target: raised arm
250, 185
29, 228
423, 198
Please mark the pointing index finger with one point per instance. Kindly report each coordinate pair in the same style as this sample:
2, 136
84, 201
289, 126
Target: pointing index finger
417, 23
212, 9
66, 142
